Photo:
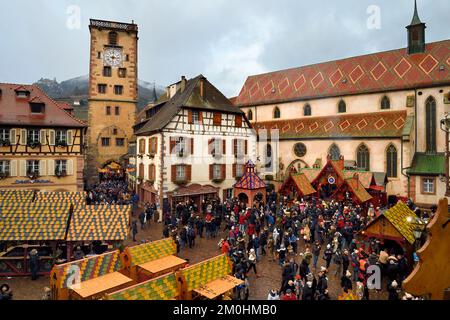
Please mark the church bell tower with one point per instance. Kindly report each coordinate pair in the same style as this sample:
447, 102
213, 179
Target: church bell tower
416, 34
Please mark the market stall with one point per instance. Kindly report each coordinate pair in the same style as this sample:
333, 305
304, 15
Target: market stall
297, 186
250, 187
161, 288
88, 278
209, 279
150, 260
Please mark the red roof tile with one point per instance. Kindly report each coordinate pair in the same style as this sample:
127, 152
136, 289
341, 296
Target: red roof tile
377, 124
390, 70
15, 111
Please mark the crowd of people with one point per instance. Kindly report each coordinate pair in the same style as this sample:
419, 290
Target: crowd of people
310, 240
111, 191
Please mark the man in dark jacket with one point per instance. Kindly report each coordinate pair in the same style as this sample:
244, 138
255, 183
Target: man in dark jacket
345, 262
346, 283
328, 254
34, 264
316, 253
322, 283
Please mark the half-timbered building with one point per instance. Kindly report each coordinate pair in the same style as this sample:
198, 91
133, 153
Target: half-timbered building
193, 144
41, 143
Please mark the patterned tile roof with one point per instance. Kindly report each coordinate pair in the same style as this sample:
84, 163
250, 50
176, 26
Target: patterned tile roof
75, 197
102, 222
33, 221
250, 180
398, 215
375, 124
382, 71
90, 268
358, 190
16, 195
162, 288
206, 271
150, 251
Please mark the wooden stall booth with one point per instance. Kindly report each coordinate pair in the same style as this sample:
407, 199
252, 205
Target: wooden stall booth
162, 288
297, 186
150, 260
88, 279
209, 279
31, 225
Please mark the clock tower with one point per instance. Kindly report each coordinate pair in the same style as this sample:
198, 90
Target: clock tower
112, 93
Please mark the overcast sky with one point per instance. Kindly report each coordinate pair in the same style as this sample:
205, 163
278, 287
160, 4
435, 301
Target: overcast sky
225, 40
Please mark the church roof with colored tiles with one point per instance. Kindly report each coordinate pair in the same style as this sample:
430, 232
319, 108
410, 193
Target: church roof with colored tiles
162, 288
377, 72
250, 180
377, 124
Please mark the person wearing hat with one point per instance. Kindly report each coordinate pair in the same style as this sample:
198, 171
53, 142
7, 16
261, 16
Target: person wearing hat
34, 264
281, 254
346, 282
322, 283
289, 296
273, 295
327, 255
78, 254
393, 291
5, 292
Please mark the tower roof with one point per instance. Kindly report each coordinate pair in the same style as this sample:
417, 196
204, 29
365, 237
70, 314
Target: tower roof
415, 19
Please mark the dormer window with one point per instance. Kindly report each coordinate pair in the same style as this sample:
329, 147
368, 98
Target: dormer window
22, 94
37, 107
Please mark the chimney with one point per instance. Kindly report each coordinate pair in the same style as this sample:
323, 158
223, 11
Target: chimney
183, 83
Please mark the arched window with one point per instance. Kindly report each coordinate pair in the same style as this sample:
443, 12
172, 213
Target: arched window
268, 157
385, 103
363, 157
430, 125
342, 107
307, 110
391, 161
334, 152
250, 115
276, 113
112, 36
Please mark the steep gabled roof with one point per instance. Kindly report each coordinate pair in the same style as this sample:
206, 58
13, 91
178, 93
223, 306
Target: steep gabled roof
358, 190
190, 97
14, 111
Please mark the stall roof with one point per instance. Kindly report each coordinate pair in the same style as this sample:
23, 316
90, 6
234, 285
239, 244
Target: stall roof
102, 222
151, 251
33, 221
358, 189
250, 180
162, 288
302, 183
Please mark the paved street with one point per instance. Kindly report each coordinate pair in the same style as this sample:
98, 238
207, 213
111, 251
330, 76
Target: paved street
270, 272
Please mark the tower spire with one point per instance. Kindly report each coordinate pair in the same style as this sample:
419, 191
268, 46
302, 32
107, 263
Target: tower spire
415, 19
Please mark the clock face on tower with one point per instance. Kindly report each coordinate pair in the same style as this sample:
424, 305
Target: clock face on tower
113, 57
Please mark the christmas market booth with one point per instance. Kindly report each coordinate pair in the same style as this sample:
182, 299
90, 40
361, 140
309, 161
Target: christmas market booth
195, 192
394, 229
88, 279
53, 224
297, 186
161, 288
431, 276
28, 226
210, 279
151, 260
334, 182
250, 188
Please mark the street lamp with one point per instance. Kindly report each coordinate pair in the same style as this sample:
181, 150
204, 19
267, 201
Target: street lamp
418, 226
445, 126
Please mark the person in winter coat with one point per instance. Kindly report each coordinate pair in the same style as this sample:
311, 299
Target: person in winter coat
322, 283
345, 262
392, 290
346, 282
34, 264
134, 230
308, 293
273, 295
304, 269
316, 253
327, 255
289, 296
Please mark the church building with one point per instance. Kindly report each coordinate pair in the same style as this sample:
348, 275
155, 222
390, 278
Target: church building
379, 111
